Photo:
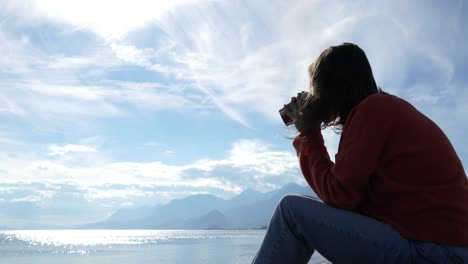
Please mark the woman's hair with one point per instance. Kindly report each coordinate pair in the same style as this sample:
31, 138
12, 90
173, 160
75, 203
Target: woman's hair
340, 78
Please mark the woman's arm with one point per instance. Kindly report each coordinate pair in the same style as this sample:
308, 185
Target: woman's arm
344, 183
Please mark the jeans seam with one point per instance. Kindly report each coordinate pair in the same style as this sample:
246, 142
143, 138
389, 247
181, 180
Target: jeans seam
352, 235
275, 246
292, 230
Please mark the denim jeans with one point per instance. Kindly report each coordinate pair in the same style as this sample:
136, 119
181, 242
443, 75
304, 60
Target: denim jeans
302, 224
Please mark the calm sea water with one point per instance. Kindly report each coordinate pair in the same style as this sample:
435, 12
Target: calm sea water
131, 246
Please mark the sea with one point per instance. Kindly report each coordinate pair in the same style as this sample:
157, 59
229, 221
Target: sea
131, 246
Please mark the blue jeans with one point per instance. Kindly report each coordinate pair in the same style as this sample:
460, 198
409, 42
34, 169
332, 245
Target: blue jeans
302, 224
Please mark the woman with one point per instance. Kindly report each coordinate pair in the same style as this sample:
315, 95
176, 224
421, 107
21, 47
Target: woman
397, 191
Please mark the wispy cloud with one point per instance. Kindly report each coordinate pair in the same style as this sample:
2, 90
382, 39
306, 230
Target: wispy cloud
244, 67
27, 199
69, 148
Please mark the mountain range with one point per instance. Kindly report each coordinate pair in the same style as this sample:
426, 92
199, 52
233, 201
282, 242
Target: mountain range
248, 210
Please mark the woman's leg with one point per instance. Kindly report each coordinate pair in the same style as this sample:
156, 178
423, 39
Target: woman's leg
302, 224
424, 252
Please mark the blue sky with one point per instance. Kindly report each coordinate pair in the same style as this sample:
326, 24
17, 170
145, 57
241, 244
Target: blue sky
108, 104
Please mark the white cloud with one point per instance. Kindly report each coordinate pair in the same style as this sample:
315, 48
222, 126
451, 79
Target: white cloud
69, 148
130, 54
73, 102
247, 64
65, 91
245, 75
251, 158
243, 64
255, 155
128, 194
109, 19
61, 62
27, 199
42, 85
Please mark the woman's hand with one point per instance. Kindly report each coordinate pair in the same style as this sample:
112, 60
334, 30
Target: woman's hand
294, 107
302, 110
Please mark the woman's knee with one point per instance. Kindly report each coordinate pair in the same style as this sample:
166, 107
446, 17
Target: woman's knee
286, 200
294, 202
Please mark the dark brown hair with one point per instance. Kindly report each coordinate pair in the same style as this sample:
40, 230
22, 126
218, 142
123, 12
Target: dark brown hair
340, 78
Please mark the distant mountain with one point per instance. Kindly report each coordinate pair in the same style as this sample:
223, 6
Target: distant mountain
250, 209
248, 196
186, 208
212, 220
131, 214
260, 212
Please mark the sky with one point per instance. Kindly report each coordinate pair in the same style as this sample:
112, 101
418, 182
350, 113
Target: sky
109, 104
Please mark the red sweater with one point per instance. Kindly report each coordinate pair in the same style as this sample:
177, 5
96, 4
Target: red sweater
393, 164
